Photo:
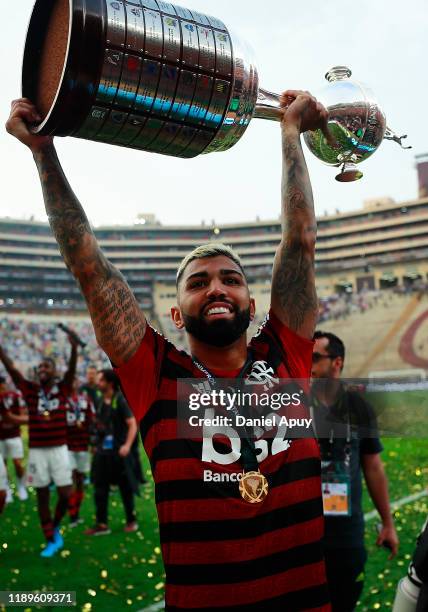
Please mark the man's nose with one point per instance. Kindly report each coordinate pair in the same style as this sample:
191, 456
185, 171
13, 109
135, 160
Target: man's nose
216, 288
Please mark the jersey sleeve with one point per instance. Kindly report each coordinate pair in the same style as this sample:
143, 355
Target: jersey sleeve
124, 408
27, 388
297, 350
21, 402
139, 377
365, 418
13, 403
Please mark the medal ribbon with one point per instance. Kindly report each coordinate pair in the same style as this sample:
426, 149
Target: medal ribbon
248, 449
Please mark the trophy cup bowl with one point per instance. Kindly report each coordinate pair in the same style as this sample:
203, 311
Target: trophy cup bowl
150, 75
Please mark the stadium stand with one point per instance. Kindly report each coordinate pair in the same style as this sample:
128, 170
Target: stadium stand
371, 267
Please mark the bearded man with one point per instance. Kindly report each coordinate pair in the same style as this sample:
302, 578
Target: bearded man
221, 552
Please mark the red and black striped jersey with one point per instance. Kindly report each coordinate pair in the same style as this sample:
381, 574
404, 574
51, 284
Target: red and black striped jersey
10, 402
47, 406
80, 417
220, 552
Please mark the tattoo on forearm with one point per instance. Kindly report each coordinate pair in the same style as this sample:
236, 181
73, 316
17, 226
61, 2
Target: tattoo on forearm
118, 321
294, 285
293, 281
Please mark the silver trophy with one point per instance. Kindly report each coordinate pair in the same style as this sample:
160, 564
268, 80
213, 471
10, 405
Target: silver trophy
149, 75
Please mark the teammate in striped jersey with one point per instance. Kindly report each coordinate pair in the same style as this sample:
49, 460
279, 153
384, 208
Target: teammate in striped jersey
48, 455
12, 415
221, 552
80, 420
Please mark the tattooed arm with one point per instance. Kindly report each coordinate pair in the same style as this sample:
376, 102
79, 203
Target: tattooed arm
118, 321
294, 299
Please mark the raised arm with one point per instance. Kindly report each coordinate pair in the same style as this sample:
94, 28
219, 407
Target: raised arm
293, 298
117, 318
15, 374
72, 362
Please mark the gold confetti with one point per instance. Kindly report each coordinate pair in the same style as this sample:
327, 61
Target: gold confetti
4, 545
157, 550
376, 606
150, 574
104, 573
87, 607
91, 592
129, 602
159, 586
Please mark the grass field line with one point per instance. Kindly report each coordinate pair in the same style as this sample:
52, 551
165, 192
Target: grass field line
391, 333
397, 504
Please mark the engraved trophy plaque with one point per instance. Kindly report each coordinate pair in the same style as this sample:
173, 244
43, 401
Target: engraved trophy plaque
150, 75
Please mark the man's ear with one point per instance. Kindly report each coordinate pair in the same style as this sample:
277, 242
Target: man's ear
176, 317
338, 362
252, 308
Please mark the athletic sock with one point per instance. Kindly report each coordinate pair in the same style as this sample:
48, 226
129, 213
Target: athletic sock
48, 530
72, 504
60, 510
79, 499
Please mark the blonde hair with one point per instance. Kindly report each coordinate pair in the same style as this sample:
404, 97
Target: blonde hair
212, 249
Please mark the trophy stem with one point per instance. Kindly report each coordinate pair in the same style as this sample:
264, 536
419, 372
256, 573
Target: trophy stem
268, 106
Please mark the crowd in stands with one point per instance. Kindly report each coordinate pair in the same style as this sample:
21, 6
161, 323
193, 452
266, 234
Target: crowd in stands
26, 341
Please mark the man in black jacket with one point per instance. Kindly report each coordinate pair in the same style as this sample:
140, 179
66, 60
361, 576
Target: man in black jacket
346, 427
113, 463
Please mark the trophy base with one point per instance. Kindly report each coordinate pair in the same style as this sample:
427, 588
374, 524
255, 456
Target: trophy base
349, 173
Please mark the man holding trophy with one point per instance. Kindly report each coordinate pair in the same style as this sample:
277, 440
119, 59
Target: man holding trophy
221, 548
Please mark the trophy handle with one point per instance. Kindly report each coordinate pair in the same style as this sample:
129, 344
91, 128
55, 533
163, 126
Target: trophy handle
268, 106
391, 135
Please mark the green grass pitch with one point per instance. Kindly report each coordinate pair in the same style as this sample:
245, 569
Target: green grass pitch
125, 572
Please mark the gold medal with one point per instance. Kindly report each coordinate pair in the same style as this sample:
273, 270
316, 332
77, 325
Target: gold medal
79, 424
253, 487
47, 414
